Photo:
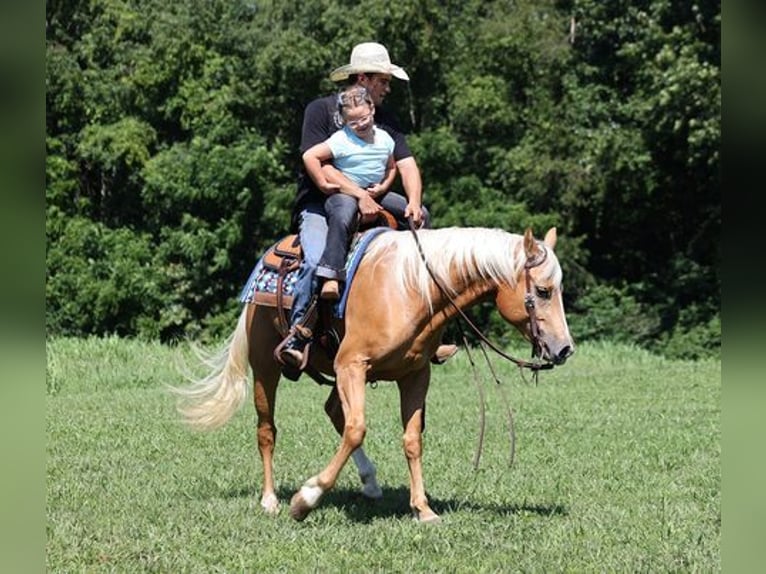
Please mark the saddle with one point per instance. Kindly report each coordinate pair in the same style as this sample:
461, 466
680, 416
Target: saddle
285, 254
282, 258
277, 267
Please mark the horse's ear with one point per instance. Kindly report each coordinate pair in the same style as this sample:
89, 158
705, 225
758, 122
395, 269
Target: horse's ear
531, 248
550, 238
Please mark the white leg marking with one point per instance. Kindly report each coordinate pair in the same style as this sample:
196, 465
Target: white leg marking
270, 504
363, 464
370, 487
311, 492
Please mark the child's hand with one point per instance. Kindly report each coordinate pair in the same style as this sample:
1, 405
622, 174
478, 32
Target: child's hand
368, 208
376, 190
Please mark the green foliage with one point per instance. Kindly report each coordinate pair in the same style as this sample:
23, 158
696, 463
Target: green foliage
173, 128
100, 280
694, 340
62, 188
439, 152
124, 144
609, 313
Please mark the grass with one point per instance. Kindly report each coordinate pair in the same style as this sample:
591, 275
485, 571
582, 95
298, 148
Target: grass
617, 469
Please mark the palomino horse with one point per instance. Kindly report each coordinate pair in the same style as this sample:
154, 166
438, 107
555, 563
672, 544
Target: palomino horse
397, 309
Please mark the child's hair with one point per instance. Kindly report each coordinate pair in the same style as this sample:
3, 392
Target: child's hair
352, 97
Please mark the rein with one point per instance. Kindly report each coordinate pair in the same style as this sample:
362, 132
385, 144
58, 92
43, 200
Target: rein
535, 367
529, 305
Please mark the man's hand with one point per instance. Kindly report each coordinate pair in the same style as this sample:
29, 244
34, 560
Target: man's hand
416, 212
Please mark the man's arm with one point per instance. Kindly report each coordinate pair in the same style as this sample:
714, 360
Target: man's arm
388, 179
368, 207
413, 188
406, 164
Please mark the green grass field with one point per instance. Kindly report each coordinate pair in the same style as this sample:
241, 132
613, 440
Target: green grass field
617, 469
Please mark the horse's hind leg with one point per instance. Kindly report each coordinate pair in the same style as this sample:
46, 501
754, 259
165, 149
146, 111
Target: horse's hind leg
367, 473
412, 393
266, 375
264, 391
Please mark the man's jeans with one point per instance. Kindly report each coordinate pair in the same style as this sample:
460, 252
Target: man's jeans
313, 234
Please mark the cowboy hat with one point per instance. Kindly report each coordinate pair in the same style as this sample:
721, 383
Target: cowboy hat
371, 58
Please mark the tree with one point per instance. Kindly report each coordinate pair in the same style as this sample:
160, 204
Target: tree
173, 129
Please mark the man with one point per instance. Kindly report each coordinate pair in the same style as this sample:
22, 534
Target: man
370, 67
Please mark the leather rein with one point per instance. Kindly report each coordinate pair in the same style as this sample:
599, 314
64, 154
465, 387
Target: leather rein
535, 367
529, 305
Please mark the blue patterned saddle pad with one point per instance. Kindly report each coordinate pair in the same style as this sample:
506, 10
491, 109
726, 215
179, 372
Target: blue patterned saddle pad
261, 286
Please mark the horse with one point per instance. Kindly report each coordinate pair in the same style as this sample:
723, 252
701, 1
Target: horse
407, 288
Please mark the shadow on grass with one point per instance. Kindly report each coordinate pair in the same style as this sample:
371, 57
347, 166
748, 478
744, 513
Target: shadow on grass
396, 504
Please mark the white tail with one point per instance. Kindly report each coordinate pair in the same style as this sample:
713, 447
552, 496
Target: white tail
209, 403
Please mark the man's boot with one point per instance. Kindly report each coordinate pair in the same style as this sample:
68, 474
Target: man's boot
443, 354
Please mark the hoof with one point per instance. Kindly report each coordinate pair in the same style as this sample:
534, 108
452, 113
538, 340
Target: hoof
372, 491
270, 504
444, 353
426, 517
370, 488
306, 499
299, 508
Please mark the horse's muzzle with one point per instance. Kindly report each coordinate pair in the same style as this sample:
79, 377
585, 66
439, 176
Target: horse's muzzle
564, 353
557, 358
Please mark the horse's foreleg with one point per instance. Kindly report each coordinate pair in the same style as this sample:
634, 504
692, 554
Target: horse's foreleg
366, 468
350, 385
412, 392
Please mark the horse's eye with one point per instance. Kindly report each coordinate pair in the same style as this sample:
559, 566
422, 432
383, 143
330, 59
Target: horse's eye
543, 293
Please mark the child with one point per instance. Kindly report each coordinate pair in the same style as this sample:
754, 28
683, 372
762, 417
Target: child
363, 153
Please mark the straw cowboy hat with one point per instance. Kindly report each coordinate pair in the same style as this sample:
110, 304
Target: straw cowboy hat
371, 58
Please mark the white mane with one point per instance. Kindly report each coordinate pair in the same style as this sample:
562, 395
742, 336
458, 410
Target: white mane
476, 253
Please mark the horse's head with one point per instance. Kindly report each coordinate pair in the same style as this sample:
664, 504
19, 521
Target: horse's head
534, 306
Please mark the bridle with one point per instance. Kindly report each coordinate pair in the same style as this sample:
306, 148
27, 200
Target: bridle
529, 305
534, 366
